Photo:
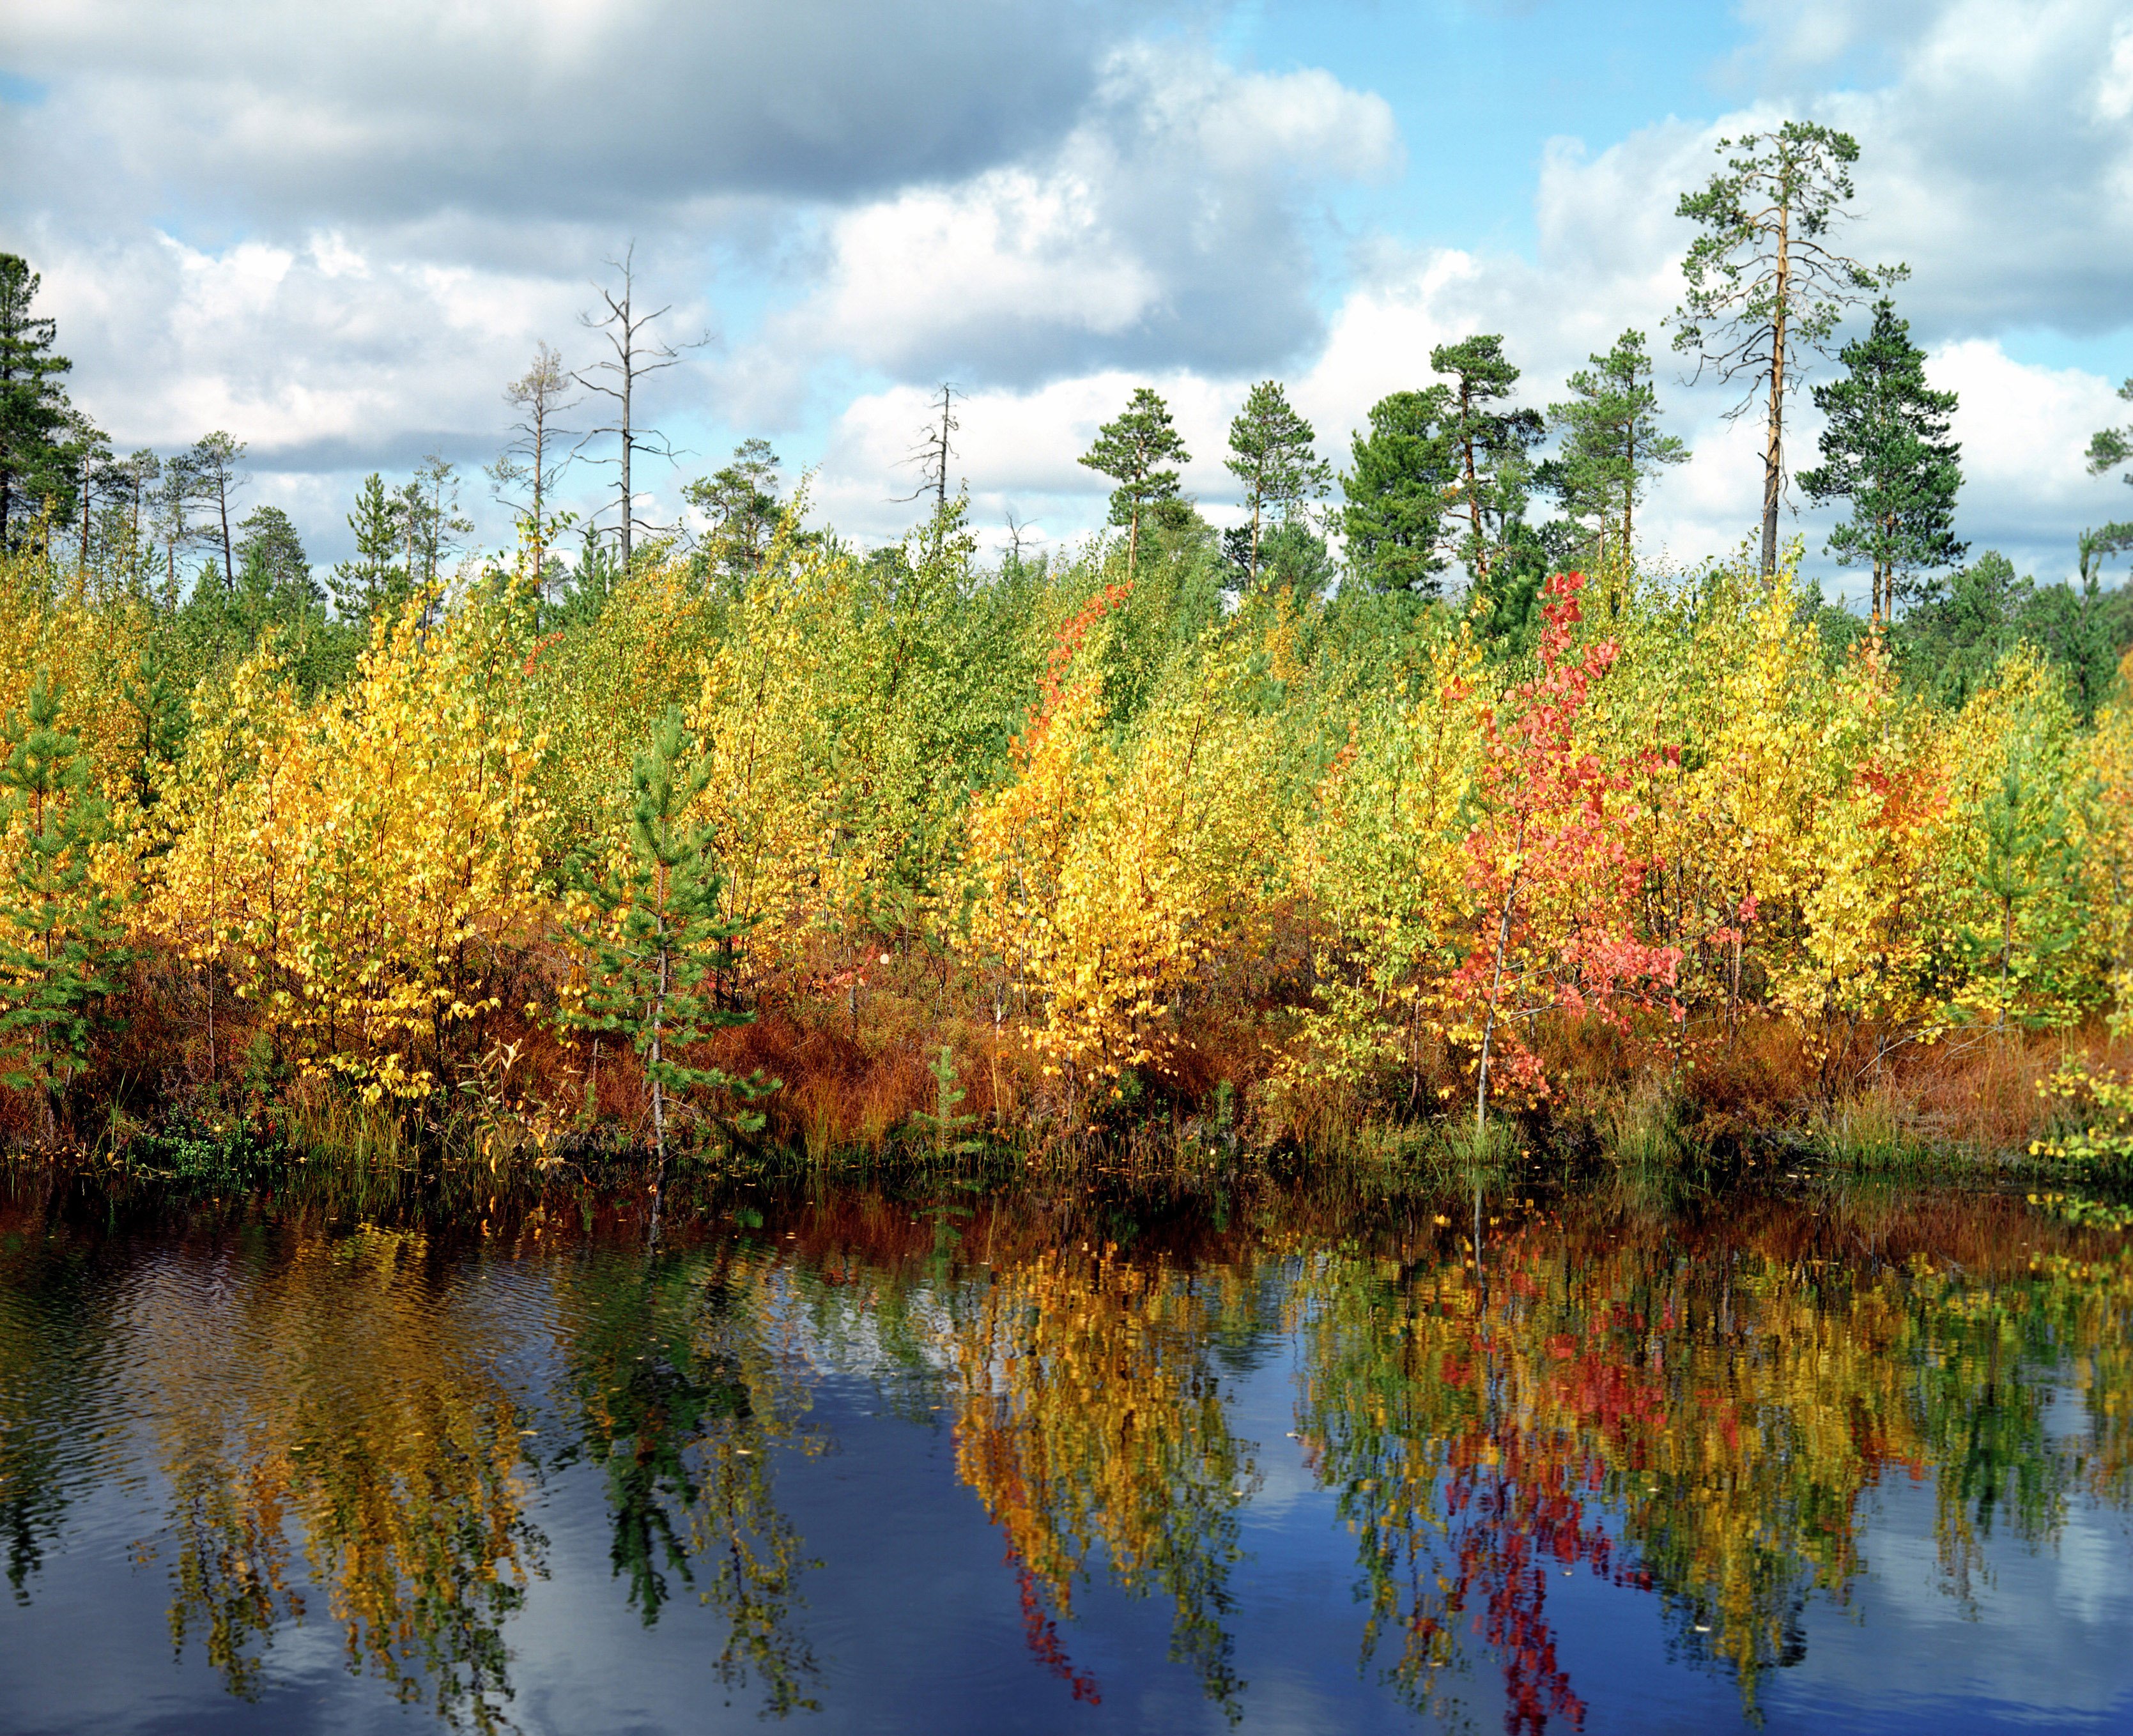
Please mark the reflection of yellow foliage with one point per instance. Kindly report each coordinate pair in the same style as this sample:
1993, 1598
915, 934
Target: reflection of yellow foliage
1087, 1416
319, 1395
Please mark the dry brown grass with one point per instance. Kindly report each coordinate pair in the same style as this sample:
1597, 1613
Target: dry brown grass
855, 1074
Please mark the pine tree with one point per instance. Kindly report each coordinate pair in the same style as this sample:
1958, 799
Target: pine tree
1272, 454
35, 468
426, 511
529, 464
1490, 447
944, 1125
276, 597
2113, 446
740, 499
1612, 447
213, 466
652, 958
1398, 491
59, 936
173, 522
375, 580
157, 726
86, 451
1886, 450
268, 545
1136, 451
1763, 282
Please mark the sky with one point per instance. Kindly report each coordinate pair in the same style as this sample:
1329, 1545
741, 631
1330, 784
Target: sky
339, 234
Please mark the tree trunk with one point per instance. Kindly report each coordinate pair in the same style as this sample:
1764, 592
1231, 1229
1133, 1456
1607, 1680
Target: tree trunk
628, 381
2006, 958
1629, 505
540, 456
1774, 446
1473, 489
229, 566
1489, 1024
658, 1106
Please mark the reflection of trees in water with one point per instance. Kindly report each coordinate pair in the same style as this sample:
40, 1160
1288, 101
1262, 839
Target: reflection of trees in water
1083, 1390
1703, 1420
1088, 1415
329, 1388
319, 1387
54, 1319
685, 1380
1695, 1409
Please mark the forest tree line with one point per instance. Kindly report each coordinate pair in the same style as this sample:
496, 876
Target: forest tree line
694, 836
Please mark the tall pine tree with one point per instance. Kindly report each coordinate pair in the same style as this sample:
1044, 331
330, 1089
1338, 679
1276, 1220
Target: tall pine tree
1491, 447
36, 467
1398, 489
1273, 454
1767, 287
1138, 452
740, 499
2112, 447
1611, 449
375, 580
1886, 450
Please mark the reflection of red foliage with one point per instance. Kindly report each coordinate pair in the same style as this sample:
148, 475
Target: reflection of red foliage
1041, 1635
1515, 1515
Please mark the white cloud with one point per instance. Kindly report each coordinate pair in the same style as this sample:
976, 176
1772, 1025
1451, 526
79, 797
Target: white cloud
337, 237
304, 350
1169, 226
2114, 88
1997, 163
397, 108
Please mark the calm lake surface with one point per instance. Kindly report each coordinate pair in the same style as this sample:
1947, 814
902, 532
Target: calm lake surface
1070, 1460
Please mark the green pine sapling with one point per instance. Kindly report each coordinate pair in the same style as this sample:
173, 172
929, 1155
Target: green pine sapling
943, 1123
652, 958
157, 704
60, 940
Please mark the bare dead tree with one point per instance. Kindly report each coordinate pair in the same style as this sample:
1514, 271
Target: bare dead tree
540, 395
1017, 530
615, 378
934, 450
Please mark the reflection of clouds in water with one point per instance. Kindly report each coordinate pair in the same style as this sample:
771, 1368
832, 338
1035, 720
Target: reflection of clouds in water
1126, 1423
2091, 1585
1263, 1409
2049, 1632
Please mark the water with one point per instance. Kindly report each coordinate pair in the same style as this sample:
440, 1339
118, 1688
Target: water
1069, 1461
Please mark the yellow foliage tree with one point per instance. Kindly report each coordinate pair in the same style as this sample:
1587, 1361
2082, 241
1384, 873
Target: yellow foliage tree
1114, 877
363, 870
1380, 861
